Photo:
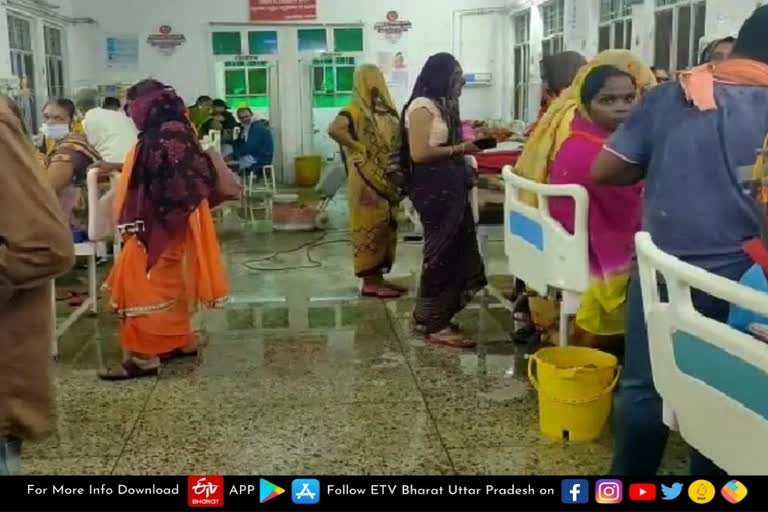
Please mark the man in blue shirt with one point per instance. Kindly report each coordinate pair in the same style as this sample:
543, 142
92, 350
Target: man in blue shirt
255, 148
695, 209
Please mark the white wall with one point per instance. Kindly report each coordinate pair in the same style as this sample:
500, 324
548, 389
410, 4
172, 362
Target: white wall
724, 18
189, 69
458, 26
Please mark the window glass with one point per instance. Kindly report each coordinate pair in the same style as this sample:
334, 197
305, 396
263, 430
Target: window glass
348, 39
313, 40
227, 43
263, 42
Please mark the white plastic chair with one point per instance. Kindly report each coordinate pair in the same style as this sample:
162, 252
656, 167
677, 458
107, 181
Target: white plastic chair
270, 185
539, 250
100, 229
712, 377
212, 141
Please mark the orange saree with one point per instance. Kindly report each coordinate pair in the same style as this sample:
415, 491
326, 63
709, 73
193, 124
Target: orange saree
156, 308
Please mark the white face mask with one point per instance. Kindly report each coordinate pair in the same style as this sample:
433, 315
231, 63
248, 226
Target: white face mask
54, 131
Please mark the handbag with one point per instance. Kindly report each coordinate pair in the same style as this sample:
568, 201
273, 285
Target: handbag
228, 185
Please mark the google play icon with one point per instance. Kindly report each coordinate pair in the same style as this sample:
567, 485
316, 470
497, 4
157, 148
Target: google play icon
268, 491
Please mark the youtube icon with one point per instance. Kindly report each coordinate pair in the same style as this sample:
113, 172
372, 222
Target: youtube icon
642, 492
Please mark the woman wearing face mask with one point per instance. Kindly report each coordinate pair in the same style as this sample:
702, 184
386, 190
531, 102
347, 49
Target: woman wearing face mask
606, 94
66, 155
438, 182
368, 130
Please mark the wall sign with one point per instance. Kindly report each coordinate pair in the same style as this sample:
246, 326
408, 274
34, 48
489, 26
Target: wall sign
283, 10
394, 27
166, 41
123, 50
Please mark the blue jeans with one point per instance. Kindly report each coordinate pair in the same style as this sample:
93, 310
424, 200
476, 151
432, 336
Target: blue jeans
10, 453
641, 434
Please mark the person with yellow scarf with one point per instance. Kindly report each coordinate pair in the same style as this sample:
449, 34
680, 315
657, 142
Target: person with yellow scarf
601, 310
368, 131
554, 127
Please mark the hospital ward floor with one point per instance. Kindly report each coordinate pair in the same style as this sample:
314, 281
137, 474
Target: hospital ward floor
300, 376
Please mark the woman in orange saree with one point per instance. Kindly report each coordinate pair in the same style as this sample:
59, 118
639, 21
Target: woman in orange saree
171, 261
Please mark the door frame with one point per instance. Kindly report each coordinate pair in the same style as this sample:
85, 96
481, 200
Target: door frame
273, 91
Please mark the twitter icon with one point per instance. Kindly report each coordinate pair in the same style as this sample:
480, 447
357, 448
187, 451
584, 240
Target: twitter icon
671, 493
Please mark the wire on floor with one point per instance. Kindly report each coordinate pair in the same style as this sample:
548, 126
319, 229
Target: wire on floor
320, 241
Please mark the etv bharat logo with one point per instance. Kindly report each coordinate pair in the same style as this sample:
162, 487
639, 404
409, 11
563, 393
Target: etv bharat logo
205, 491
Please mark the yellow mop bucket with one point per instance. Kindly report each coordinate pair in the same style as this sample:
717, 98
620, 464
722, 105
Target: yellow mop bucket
575, 386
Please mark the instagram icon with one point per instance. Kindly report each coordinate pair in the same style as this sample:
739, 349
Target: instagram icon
609, 492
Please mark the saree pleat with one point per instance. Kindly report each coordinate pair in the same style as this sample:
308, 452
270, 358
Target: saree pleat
155, 307
453, 270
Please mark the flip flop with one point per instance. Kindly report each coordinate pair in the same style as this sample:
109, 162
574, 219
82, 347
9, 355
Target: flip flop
130, 371
68, 295
393, 286
177, 354
421, 330
77, 300
451, 341
380, 292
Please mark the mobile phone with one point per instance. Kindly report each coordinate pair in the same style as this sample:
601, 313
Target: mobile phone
485, 143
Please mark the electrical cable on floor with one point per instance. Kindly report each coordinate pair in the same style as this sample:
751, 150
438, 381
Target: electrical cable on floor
320, 241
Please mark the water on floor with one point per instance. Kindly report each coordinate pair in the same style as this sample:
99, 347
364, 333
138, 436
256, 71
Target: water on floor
299, 376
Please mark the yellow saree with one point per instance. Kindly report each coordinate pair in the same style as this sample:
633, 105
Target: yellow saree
372, 196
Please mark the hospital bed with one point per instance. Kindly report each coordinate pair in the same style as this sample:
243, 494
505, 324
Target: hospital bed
711, 377
100, 232
540, 252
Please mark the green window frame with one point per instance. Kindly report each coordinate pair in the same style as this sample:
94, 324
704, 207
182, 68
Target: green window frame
247, 84
262, 42
227, 43
313, 40
348, 39
333, 80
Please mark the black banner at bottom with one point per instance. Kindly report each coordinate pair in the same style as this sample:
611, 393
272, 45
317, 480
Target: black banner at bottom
381, 493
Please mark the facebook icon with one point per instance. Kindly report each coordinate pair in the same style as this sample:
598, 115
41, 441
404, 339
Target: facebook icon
575, 492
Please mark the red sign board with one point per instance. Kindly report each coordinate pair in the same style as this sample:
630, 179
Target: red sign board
283, 10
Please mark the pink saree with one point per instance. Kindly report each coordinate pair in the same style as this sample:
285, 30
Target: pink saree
613, 219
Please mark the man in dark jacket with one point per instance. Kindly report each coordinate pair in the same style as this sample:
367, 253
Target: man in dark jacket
255, 147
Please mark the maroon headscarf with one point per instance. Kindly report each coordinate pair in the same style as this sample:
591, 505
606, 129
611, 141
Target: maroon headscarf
172, 174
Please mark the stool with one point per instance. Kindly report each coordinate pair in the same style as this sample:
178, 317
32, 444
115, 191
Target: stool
269, 187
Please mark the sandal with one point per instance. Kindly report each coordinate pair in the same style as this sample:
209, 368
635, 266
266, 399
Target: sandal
395, 287
128, 370
77, 300
447, 338
68, 295
179, 353
421, 329
380, 292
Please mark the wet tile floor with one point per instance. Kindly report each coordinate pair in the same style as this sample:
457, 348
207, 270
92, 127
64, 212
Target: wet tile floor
298, 375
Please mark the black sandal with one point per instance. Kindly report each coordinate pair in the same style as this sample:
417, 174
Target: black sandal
131, 371
177, 354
